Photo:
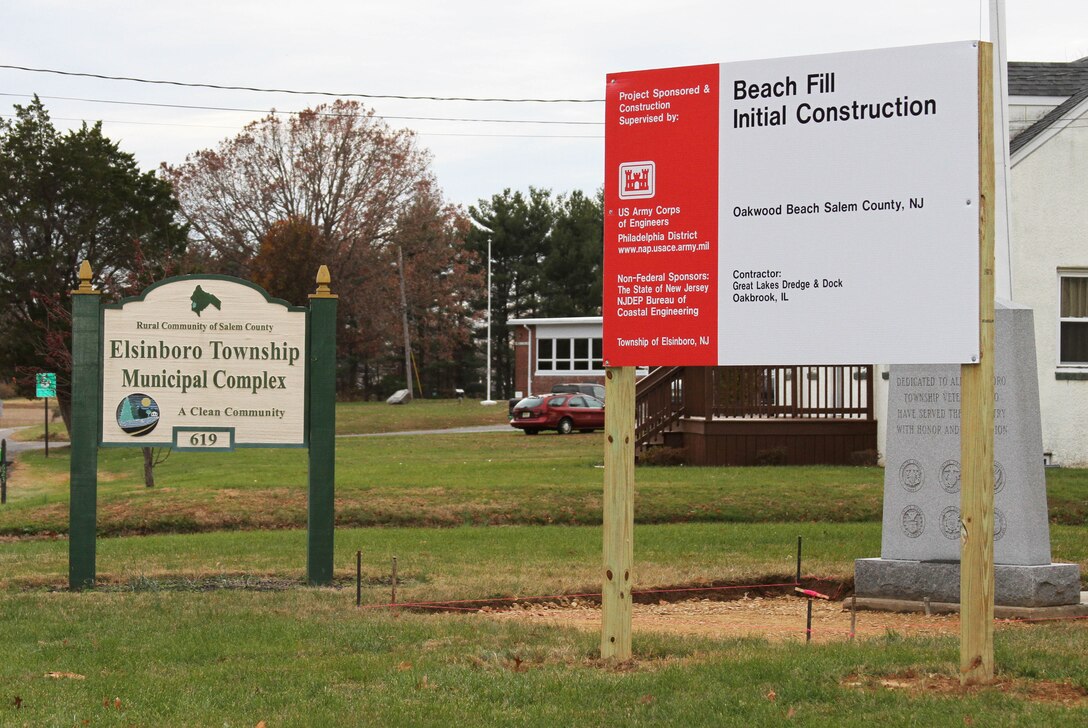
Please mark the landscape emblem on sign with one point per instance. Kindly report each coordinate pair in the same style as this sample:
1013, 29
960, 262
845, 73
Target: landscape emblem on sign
137, 414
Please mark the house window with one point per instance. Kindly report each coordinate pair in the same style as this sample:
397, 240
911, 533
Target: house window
582, 355
1073, 318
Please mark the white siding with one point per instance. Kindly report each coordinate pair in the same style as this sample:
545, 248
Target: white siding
1050, 233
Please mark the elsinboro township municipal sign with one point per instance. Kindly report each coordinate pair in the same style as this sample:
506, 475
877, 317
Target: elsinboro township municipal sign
203, 362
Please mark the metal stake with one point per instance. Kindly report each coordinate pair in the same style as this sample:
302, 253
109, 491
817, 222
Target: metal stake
394, 600
358, 578
853, 615
798, 560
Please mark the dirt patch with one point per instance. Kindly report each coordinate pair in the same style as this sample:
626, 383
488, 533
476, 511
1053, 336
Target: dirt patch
778, 619
1040, 691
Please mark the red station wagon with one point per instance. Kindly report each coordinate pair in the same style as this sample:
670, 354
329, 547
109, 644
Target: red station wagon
563, 413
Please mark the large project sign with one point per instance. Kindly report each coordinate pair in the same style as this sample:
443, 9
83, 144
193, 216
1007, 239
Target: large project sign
820, 209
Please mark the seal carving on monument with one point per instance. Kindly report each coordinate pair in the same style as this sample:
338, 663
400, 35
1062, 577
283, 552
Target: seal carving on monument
911, 475
914, 521
950, 522
950, 476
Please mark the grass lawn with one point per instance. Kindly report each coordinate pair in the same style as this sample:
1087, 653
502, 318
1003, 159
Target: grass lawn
420, 414
202, 620
309, 658
498, 478
165, 644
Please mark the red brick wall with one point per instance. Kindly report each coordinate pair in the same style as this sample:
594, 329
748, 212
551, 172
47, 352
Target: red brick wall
524, 359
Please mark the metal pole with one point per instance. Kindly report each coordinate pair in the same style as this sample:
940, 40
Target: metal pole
798, 561
1002, 215
488, 362
394, 599
3, 472
404, 324
358, 578
46, 426
808, 623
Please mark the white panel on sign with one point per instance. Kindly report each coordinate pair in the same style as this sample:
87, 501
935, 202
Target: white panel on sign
849, 207
198, 358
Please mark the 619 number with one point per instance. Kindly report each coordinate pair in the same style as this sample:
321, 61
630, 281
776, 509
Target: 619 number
203, 439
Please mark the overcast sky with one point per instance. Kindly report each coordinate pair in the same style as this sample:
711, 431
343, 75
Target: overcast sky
474, 48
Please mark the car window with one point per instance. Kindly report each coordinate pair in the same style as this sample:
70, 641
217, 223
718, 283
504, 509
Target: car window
577, 401
530, 402
556, 401
594, 402
598, 392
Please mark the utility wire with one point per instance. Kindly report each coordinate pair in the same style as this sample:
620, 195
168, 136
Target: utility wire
296, 113
417, 133
294, 91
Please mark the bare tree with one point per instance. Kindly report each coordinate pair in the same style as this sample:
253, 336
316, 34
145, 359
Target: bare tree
336, 169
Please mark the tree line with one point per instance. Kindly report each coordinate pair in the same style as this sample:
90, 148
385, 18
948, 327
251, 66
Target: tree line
332, 185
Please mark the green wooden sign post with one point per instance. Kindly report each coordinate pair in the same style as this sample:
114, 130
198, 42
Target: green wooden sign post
86, 396
290, 405
322, 426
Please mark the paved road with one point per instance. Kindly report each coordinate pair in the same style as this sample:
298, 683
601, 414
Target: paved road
15, 446
450, 431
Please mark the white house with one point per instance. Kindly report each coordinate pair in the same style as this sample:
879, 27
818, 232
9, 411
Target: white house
1048, 239
1048, 112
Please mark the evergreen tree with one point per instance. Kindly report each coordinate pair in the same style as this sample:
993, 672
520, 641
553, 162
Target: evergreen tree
65, 198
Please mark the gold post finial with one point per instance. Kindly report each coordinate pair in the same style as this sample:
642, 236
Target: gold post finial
85, 279
323, 280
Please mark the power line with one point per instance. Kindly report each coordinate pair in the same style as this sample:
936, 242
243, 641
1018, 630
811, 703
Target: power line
296, 113
417, 133
258, 89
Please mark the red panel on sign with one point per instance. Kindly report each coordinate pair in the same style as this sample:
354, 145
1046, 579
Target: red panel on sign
661, 220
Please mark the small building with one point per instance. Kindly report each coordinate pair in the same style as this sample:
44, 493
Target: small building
550, 351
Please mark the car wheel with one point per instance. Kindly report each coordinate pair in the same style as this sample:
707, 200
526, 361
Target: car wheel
565, 426
532, 432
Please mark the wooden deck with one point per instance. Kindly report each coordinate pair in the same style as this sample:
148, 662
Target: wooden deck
801, 415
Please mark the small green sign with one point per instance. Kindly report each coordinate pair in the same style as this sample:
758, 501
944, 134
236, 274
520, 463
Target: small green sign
46, 384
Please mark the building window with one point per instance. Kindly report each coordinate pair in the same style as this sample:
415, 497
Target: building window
1073, 318
582, 355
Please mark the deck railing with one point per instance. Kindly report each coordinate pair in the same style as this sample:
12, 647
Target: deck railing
812, 391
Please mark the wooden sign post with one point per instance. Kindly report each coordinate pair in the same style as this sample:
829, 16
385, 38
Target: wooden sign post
977, 424
232, 367
619, 512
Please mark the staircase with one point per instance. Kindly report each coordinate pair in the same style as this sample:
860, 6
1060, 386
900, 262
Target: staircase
659, 404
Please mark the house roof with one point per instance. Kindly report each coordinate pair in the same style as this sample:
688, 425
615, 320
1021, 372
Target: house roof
1047, 79
1021, 140
1069, 80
